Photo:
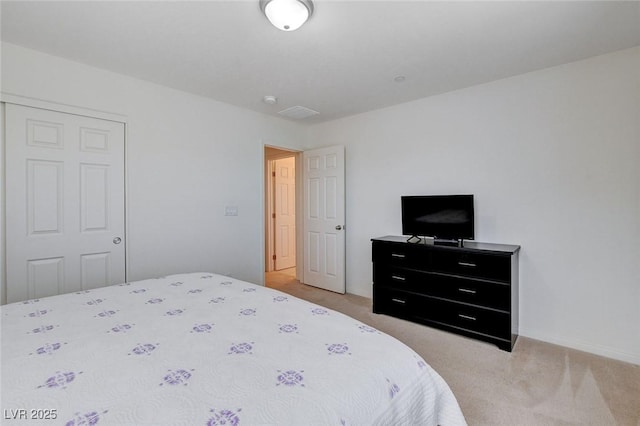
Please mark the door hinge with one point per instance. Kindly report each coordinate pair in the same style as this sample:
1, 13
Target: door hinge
273, 174
273, 215
274, 257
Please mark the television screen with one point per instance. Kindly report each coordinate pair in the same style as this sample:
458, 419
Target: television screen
446, 217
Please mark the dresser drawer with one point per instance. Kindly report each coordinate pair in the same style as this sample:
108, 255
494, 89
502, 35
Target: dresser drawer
401, 278
395, 302
470, 264
404, 255
467, 317
493, 295
426, 309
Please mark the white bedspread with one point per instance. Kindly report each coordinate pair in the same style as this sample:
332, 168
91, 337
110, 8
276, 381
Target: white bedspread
204, 349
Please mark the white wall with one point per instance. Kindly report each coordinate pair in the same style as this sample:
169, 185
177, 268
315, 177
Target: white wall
187, 157
553, 159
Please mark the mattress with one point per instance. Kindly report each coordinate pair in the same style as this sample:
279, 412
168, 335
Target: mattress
205, 349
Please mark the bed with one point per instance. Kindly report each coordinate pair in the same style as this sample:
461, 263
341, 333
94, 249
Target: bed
206, 349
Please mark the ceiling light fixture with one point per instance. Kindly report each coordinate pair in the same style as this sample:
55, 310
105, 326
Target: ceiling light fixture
287, 15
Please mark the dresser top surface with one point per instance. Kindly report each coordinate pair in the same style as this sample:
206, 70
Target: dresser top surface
470, 245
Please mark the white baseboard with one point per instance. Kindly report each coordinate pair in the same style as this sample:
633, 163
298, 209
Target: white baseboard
586, 347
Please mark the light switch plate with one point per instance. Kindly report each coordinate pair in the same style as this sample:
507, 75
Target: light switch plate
231, 211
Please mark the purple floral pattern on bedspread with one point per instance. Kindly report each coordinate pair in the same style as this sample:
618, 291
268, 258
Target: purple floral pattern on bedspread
319, 311
338, 349
48, 349
177, 377
88, 419
421, 364
288, 328
393, 389
60, 380
241, 348
121, 328
366, 329
202, 328
224, 417
39, 313
106, 314
290, 378
144, 349
42, 329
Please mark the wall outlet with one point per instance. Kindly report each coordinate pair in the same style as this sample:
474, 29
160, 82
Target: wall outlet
231, 211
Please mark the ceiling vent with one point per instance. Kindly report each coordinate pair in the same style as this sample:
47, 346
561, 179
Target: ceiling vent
298, 112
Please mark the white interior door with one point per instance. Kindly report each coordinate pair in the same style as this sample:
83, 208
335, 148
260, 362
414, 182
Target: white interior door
64, 202
285, 211
324, 218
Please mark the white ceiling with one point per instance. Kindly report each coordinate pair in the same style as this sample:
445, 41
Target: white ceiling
342, 62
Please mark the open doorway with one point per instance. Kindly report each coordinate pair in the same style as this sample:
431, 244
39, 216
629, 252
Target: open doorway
281, 239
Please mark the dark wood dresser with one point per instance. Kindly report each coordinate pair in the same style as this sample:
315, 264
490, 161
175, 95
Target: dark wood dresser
470, 290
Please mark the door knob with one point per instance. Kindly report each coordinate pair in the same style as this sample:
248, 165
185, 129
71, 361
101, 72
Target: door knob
338, 227
117, 240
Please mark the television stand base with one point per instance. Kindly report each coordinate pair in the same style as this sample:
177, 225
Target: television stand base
451, 243
414, 239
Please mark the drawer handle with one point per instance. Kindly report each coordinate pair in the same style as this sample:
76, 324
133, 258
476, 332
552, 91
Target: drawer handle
398, 278
401, 256
469, 264
399, 301
466, 290
467, 317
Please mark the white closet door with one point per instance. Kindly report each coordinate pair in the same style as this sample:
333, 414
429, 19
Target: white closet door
324, 218
64, 202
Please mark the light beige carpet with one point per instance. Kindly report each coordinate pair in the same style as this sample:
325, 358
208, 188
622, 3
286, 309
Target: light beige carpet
536, 384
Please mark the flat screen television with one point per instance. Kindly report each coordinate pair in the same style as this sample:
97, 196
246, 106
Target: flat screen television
443, 217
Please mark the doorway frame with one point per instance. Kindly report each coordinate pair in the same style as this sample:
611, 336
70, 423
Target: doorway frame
267, 209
